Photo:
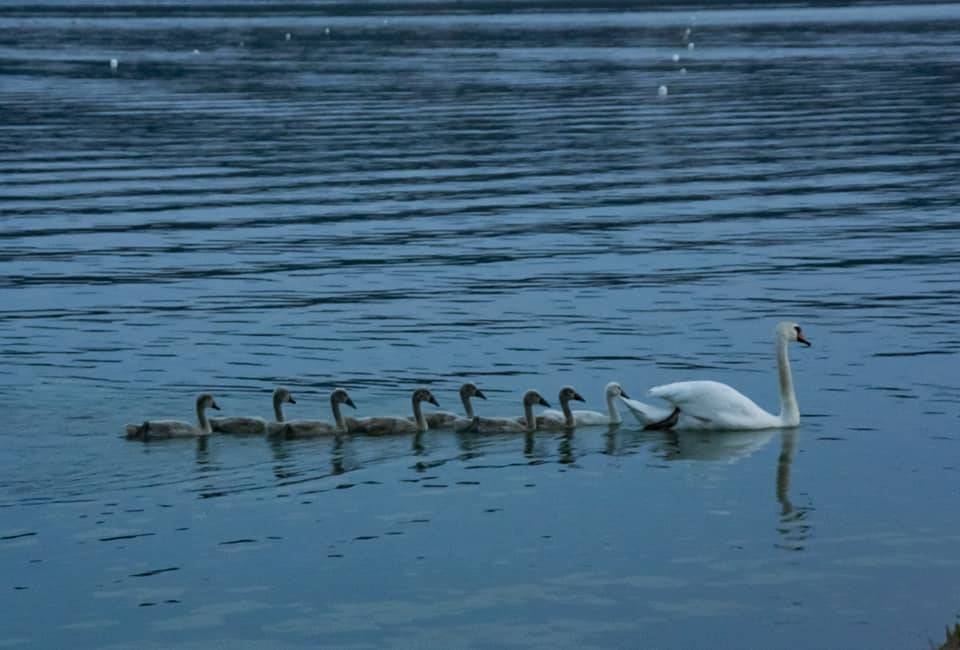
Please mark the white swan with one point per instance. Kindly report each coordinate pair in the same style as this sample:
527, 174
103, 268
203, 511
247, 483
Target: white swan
445, 419
384, 426
311, 428
564, 419
254, 425
712, 406
509, 425
612, 391
158, 429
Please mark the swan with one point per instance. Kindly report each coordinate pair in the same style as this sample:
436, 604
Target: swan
311, 428
612, 391
156, 429
383, 426
509, 425
254, 425
712, 406
564, 419
444, 419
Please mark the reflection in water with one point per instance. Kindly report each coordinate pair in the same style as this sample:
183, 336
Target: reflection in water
794, 526
566, 449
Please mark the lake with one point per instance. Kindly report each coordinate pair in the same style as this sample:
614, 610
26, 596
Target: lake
401, 194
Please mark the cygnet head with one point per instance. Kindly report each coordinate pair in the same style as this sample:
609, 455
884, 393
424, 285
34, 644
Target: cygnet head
790, 331
340, 396
470, 389
282, 396
206, 401
532, 397
615, 390
567, 393
424, 395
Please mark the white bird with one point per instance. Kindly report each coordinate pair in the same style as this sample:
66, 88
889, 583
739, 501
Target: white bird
313, 428
255, 425
158, 429
662, 91
712, 406
563, 419
587, 418
446, 419
383, 426
114, 63
510, 425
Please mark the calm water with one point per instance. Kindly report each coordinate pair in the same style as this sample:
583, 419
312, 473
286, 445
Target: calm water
402, 195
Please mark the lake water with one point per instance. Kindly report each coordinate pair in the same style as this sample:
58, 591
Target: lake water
405, 194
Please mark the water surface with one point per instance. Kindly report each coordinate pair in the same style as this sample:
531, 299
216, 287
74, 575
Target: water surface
419, 194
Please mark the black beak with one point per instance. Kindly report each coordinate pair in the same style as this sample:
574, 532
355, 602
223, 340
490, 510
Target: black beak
800, 339
213, 405
349, 402
576, 396
480, 394
291, 400
623, 393
433, 400
544, 402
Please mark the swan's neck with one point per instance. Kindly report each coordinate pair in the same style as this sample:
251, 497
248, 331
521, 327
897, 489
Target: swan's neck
528, 416
467, 406
612, 409
418, 416
278, 408
789, 410
202, 419
567, 413
337, 416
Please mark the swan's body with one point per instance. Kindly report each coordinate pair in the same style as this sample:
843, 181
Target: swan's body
254, 425
509, 425
314, 428
712, 406
160, 429
596, 418
563, 419
385, 426
446, 419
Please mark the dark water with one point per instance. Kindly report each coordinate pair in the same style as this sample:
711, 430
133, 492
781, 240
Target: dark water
416, 194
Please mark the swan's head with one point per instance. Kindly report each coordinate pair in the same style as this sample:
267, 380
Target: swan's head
206, 401
790, 331
340, 396
424, 395
614, 389
567, 394
282, 396
470, 389
532, 397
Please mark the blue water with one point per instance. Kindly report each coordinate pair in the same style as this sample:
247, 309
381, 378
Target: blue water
406, 194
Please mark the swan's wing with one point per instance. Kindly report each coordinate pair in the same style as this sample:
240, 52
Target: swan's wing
170, 429
591, 418
646, 413
551, 414
494, 425
239, 425
385, 426
439, 419
714, 404
307, 428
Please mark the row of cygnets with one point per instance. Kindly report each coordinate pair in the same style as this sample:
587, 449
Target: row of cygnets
469, 422
703, 405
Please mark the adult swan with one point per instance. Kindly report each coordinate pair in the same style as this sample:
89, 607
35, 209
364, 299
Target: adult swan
710, 405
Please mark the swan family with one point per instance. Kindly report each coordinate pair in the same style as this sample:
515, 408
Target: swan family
703, 405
